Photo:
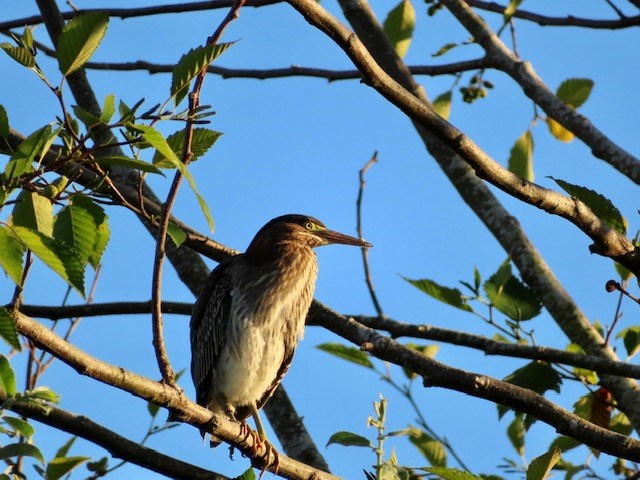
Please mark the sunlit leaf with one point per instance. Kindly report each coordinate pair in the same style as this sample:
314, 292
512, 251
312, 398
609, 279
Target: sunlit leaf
521, 156
248, 474
11, 255
431, 449
599, 204
30, 148
127, 162
444, 49
86, 117
351, 354
516, 433
575, 91
8, 330
176, 234
75, 226
540, 467
203, 139
559, 131
620, 423
565, 443
4, 123
33, 211
22, 427
450, 296
399, 25
102, 227
7, 377
61, 466
348, 439
446, 473
22, 55
79, 39
442, 105
108, 108
511, 9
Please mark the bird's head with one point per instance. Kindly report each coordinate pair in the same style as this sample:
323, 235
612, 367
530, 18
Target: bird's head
300, 229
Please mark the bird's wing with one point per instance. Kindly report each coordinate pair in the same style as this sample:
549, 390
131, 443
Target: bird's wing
208, 326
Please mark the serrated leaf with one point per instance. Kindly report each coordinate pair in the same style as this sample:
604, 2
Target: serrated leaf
430, 448
108, 108
540, 467
11, 255
450, 296
102, 227
22, 55
399, 25
575, 91
21, 427
537, 376
8, 330
446, 473
351, 354
511, 9
190, 64
203, 139
79, 39
444, 49
21, 449
559, 131
56, 255
521, 156
600, 205
442, 105
33, 211
348, 439
7, 377
176, 234
516, 433
564, 443
155, 138
27, 151
60, 466
75, 226
127, 162
4, 123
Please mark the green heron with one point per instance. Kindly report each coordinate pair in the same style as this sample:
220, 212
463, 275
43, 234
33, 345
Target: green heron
249, 317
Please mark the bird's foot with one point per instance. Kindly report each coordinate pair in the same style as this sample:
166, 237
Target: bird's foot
264, 460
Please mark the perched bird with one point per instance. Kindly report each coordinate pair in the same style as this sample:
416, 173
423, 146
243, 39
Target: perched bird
249, 317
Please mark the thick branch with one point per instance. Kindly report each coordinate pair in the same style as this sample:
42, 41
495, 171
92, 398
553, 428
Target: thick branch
116, 445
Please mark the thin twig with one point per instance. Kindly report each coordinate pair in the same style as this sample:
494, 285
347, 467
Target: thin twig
364, 250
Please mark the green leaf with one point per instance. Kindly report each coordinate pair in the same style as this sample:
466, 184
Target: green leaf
511, 9
42, 393
442, 105
540, 467
631, 336
155, 138
452, 473
102, 227
75, 226
624, 272
11, 255
63, 451
450, 296
559, 131
248, 474
30, 148
59, 257
4, 123
8, 330
399, 25
516, 432
537, 376
60, 466
21, 427
79, 39
599, 205
33, 211
153, 409
22, 55
21, 450
430, 448
127, 162
190, 64
176, 233
7, 377
86, 117
620, 423
428, 350
575, 91
351, 354
108, 108
564, 443
510, 296
349, 439
55, 188
444, 49
584, 374
203, 139
521, 156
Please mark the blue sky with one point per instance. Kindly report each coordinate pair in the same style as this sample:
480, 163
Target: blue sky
296, 145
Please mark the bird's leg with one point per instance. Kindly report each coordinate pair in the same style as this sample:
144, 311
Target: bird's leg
261, 439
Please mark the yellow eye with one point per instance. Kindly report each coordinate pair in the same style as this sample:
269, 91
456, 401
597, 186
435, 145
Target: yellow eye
309, 225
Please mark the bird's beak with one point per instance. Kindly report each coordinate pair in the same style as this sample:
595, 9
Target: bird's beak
331, 236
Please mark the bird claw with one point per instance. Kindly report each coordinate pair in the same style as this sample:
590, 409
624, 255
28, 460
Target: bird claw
265, 458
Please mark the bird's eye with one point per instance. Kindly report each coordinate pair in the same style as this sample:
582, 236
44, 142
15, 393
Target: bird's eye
308, 225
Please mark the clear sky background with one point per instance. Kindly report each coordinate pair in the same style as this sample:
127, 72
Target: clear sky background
295, 145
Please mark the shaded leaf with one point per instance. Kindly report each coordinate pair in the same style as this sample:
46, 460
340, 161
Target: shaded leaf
21, 449
510, 296
599, 204
60, 466
102, 227
540, 467
451, 473
521, 156
128, 162
8, 330
516, 433
348, 439
442, 105
203, 140
11, 255
399, 25
33, 211
248, 474
7, 377
79, 39
190, 64
176, 233
601, 408
430, 448
153, 409
558, 131
450, 296
585, 374
86, 117
351, 354
63, 451
564, 443
56, 255
4, 123
428, 350
22, 427
620, 423
575, 91
444, 49
624, 272
75, 226
537, 376
30, 148
22, 55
